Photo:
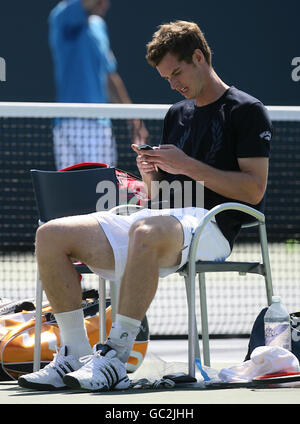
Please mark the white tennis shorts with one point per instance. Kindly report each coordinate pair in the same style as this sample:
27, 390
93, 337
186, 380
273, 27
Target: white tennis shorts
78, 140
213, 246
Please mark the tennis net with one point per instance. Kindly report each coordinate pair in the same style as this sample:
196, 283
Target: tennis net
27, 140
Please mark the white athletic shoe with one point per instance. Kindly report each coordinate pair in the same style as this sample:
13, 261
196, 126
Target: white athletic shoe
103, 372
51, 376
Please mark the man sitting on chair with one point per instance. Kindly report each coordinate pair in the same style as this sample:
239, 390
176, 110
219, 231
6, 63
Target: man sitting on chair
219, 136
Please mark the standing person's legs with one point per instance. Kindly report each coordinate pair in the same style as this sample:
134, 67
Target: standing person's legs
78, 140
96, 142
64, 143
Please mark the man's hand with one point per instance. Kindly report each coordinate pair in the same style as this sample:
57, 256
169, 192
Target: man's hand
167, 157
145, 168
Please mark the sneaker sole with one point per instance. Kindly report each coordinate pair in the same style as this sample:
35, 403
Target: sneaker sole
38, 386
73, 383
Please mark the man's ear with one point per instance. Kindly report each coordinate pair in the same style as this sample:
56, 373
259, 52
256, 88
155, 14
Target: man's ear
198, 57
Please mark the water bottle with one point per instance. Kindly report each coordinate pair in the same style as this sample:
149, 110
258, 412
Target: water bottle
277, 325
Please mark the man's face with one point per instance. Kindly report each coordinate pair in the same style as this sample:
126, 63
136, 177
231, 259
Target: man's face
186, 78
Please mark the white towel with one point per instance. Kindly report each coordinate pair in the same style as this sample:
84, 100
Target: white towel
263, 360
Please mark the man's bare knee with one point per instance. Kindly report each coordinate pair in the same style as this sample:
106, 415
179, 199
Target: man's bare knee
145, 234
161, 236
79, 237
44, 237
49, 236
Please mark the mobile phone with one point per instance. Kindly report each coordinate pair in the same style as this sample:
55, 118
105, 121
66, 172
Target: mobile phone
145, 147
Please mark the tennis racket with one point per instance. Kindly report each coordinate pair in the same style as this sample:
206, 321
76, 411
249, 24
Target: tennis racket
277, 378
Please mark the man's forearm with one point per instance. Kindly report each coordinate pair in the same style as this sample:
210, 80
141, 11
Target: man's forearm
238, 185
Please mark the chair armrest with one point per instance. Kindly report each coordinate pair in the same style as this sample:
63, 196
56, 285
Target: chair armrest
127, 207
259, 216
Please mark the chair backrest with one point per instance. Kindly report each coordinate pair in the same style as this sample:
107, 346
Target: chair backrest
61, 194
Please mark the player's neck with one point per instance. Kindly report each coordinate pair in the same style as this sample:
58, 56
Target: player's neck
212, 90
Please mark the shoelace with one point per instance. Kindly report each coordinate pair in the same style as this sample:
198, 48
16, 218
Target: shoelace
86, 358
90, 359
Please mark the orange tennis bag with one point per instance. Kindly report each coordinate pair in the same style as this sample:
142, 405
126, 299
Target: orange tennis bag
17, 327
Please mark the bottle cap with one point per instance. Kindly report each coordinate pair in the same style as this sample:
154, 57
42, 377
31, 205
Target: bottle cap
275, 298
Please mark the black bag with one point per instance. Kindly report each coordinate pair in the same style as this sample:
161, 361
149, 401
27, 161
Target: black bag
257, 336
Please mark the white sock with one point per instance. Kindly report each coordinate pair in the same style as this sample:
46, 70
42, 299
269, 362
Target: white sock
122, 335
73, 332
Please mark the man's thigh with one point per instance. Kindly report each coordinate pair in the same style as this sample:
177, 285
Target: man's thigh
82, 238
166, 236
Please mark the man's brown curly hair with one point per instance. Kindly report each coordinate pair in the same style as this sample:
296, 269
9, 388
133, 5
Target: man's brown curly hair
180, 38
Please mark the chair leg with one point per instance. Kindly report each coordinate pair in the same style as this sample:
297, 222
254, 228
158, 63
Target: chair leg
114, 292
38, 324
190, 282
102, 310
204, 320
266, 261
269, 286
197, 347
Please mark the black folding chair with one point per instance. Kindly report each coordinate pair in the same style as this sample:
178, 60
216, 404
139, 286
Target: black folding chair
75, 192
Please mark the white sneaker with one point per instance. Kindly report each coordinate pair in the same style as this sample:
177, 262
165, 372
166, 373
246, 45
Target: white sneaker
103, 372
51, 376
